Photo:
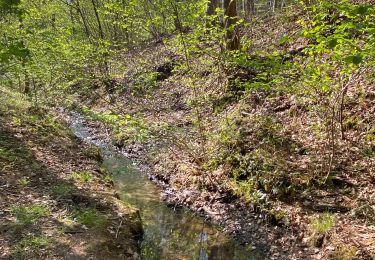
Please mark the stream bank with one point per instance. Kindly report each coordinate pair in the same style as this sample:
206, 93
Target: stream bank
250, 229
55, 202
265, 156
169, 232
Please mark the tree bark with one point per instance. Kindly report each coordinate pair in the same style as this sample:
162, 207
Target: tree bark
100, 28
210, 11
211, 7
230, 20
249, 8
84, 21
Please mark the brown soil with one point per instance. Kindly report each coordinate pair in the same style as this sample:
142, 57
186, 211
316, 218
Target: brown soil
45, 210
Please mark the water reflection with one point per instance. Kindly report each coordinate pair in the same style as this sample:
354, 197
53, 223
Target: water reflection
168, 233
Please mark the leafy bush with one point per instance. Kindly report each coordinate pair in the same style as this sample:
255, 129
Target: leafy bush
125, 127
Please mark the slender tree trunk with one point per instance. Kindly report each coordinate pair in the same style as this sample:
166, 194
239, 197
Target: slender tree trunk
107, 81
230, 20
153, 29
249, 8
211, 7
100, 28
84, 21
162, 14
210, 11
72, 19
26, 88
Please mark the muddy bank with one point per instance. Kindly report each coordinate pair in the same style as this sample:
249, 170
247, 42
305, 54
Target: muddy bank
55, 202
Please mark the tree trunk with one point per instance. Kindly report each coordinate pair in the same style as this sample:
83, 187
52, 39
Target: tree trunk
211, 8
249, 8
230, 20
100, 28
109, 85
84, 21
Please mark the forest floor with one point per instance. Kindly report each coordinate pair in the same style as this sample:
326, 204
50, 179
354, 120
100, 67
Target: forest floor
333, 221
55, 202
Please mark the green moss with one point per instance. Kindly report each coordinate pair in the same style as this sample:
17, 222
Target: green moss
344, 253
277, 217
108, 179
351, 122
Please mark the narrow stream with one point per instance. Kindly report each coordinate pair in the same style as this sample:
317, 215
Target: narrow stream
168, 233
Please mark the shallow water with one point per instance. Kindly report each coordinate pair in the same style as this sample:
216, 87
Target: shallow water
168, 233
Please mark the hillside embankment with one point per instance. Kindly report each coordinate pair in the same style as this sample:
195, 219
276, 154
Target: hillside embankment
260, 162
55, 200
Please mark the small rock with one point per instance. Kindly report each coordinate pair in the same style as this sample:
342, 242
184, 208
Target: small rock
319, 241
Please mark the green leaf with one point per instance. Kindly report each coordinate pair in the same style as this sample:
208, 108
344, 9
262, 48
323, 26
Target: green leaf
362, 9
332, 43
354, 59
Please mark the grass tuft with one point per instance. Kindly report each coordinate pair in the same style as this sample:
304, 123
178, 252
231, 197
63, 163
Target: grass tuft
91, 218
30, 214
24, 181
62, 189
322, 224
83, 177
344, 253
31, 244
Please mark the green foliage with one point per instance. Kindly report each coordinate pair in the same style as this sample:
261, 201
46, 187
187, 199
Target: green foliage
93, 152
126, 128
246, 190
259, 71
91, 218
342, 30
24, 181
29, 214
341, 41
259, 172
31, 244
322, 224
83, 176
145, 82
62, 189
229, 134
